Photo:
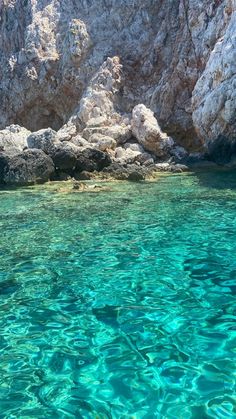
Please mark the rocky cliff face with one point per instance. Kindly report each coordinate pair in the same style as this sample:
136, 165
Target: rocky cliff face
177, 57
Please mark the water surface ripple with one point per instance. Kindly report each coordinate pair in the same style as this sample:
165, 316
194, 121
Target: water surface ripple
119, 304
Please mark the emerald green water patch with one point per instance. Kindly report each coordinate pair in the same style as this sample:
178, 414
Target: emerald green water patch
121, 303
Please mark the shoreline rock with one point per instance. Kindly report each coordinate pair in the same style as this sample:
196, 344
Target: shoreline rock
36, 157
120, 70
26, 168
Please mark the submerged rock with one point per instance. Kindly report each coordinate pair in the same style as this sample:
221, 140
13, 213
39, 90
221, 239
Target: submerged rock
214, 96
82, 175
132, 172
136, 176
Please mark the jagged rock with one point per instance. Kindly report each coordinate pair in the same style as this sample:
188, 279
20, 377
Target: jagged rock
28, 167
91, 160
179, 153
145, 159
180, 168
79, 40
64, 156
66, 133
126, 156
134, 147
146, 130
80, 141
99, 121
97, 106
13, 139
121, 133
136, 176
134, 172
132, 153
178, 59
214, 95
44, 139
117, 171
102, 142
61, 176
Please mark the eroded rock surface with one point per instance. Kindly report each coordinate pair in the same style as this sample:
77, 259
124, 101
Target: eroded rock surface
13, 139
26, 168
148, 133
83, 68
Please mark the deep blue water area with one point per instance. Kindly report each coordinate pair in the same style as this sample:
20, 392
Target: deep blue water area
120, 303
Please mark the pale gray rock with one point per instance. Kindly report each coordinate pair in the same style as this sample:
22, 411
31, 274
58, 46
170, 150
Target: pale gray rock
90, 63
67, 132
79, 141
146, 130
125, 156
120, 133
165, 167
134, 147
102, 142
44, 139
13, 139
97, 106
132, 153
214, 96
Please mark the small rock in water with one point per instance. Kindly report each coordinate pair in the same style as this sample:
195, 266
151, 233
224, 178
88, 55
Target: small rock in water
82, 175
136, 176
79, 186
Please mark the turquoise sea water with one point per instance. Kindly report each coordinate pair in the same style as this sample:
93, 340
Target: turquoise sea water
122, 303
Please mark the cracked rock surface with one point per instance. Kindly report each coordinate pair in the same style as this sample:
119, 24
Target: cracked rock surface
82, 69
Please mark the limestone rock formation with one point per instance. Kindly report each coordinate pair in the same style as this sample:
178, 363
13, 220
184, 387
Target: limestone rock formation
102, 142
13, 139
214, 95
148, 133
81, 67
44, 139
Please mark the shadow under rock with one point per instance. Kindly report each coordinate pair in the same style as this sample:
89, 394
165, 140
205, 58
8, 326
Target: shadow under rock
217, 178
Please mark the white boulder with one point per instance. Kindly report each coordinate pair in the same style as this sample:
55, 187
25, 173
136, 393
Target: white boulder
146, 130
13, 139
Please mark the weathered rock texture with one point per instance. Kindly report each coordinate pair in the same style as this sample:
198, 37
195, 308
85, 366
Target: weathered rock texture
28, 167
177, 57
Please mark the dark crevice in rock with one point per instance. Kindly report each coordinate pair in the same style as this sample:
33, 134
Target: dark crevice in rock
222, 150
37, 117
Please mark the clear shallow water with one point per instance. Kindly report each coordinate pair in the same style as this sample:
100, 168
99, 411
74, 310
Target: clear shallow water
119, 304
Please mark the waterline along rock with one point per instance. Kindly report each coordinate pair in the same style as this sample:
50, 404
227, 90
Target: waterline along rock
159, 73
